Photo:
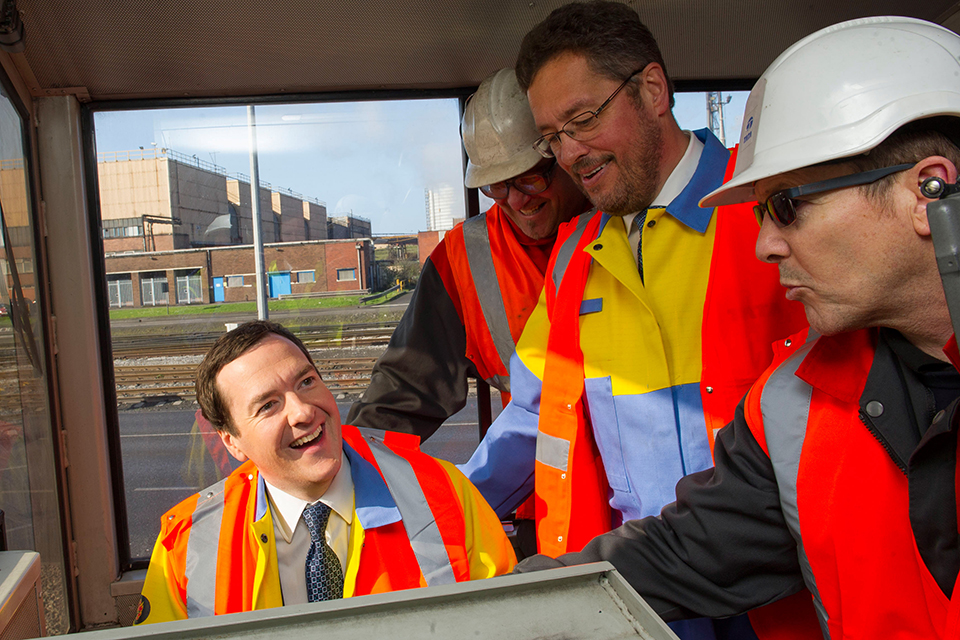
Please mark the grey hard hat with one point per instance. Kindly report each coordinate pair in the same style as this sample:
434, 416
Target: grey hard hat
498, 131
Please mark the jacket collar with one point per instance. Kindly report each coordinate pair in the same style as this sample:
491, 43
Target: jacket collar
860, 368
708, 176
375, 506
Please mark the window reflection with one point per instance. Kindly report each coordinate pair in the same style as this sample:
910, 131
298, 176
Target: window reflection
28, 481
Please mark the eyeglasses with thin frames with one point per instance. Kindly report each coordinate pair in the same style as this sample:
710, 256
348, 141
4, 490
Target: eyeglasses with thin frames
783, 209
581, 127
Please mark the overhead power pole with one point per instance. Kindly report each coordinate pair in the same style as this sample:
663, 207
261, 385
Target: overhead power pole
715, 104
263, 311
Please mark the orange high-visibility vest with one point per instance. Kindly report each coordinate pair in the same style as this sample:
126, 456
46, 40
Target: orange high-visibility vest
494, 278
744, 312
234, 568
845, 499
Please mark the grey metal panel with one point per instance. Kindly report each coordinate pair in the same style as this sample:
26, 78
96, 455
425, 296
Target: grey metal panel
588, 601
78, 356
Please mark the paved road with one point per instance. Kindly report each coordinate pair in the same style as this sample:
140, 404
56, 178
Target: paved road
159, 470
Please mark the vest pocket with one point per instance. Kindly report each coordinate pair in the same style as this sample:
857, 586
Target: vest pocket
606, 431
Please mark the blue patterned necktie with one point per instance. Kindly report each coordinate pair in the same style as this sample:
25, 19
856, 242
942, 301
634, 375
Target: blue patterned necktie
639, 222
323, 572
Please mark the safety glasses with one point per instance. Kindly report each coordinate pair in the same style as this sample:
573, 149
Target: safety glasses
783, 209
529, 183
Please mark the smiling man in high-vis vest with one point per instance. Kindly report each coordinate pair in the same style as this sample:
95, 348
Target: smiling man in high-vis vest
317, 512
655, 316
839, 471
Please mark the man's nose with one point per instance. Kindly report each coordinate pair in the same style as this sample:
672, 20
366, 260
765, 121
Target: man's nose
570, 151
771, 245
298, 410
517, 199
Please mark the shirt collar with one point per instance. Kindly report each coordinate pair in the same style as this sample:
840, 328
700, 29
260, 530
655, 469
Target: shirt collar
369, 495
339, 496
708, 157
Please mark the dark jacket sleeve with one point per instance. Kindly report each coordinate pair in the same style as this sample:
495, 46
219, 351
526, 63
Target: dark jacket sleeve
721, 549
421, 378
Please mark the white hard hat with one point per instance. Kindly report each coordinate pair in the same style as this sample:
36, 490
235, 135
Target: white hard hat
498, 131
840, 92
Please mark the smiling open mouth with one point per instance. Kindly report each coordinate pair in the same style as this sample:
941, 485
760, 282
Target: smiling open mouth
529, 213
587, 176
304, 440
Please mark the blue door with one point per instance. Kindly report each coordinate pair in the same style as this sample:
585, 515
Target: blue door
279, 284
218, 289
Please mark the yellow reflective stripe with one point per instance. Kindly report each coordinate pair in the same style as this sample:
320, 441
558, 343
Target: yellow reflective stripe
354, 548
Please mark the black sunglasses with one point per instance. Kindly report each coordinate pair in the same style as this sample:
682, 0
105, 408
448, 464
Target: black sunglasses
783, 210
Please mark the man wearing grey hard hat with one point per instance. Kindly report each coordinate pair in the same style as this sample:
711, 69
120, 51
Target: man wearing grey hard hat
839, 471
481, 283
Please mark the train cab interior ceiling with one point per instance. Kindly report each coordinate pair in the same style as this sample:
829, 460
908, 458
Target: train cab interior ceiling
62, 62
189, 49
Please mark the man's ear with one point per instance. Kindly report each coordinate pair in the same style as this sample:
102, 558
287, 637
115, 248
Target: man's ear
232, 444
653, 82
932, 167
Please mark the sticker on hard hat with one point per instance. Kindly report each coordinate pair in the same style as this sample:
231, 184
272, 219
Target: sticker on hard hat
751, 120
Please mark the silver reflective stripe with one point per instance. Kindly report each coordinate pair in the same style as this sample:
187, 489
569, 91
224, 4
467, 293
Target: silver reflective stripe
421, 527
552, 451
476, 239
499, 382
785, 404
202, 546
565, 252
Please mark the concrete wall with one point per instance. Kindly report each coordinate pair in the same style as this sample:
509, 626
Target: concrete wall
214, 210
316, 217
134, 188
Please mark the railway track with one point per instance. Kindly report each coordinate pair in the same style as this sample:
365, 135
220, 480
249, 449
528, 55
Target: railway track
314, 337
138, 382
171, 382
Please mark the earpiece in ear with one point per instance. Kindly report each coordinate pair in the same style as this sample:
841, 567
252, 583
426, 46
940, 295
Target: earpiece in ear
932, 187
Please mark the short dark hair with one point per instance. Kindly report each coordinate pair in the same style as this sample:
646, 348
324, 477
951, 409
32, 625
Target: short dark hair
609, 35
911, 143
225, 350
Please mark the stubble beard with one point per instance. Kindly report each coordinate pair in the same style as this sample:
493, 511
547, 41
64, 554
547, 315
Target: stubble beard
639, 173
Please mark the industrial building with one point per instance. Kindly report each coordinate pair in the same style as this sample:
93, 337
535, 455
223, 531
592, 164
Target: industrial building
179, 230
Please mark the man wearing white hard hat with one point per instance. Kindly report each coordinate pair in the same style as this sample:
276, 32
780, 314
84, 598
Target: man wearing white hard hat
839, 471
480, 284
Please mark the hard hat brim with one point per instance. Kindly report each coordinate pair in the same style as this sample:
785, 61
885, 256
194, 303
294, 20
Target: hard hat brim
519, 163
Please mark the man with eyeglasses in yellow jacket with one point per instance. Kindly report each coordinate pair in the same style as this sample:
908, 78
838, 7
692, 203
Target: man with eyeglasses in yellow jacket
655, 316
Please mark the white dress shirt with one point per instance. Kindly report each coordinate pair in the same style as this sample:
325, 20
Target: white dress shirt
678, 179
293, 543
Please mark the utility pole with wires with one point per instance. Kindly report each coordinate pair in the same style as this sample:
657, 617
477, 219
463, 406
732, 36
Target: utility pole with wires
715, 104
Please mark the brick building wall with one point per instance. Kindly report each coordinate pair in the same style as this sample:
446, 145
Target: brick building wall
427, 241
311, 266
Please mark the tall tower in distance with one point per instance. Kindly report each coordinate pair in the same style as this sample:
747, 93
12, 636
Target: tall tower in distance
439, 203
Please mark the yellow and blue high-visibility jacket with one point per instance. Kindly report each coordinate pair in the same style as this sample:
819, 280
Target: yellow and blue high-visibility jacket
619, 384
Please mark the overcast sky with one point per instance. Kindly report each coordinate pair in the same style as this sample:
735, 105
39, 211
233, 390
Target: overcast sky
373, 159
